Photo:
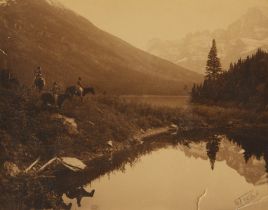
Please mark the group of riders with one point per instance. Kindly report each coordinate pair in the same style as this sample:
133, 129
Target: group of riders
55, 90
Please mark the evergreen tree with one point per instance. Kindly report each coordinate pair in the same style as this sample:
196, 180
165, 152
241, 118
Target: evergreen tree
213, 68
246, 83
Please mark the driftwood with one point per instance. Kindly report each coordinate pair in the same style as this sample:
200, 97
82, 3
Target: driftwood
71, 163
32, 165
47, 164
150, 133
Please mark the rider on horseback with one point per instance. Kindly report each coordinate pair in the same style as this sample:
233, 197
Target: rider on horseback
39, 78
38, 73
79, 87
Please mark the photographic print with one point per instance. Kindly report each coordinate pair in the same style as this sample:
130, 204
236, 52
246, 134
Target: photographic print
133, 105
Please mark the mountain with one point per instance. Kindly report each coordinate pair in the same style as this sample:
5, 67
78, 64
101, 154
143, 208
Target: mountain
44, 33
238, 40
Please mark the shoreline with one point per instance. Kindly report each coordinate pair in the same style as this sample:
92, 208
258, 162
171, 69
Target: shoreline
96, 130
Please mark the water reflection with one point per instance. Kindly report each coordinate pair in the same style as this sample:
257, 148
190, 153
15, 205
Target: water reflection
236, 178
78, 194
253, 142
221, 149
212, 149
228, 164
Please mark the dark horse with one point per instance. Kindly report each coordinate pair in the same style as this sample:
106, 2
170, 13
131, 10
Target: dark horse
72, 91
40, 83
79, 193
49, 100
7, 79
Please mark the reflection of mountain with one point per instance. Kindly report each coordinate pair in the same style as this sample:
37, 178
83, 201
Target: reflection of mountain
240, 39
253, 171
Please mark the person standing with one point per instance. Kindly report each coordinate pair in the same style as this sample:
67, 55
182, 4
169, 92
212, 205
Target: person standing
80, 87
55, 91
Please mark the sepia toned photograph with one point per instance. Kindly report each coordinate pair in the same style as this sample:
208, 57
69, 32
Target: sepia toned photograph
133, 105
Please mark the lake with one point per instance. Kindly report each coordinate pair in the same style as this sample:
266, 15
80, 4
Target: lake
159, 101
219, 172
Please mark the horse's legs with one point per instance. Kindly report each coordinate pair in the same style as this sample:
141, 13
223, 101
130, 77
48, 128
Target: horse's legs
81, 96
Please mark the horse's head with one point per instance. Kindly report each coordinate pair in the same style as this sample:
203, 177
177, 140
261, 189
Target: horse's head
71, 91
89, 90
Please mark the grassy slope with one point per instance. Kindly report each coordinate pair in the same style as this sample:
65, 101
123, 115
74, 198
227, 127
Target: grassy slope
64, 43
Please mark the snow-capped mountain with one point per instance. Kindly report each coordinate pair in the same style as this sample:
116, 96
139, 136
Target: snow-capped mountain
238, 40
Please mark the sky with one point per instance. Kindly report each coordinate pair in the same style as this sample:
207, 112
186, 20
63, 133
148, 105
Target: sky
138, 21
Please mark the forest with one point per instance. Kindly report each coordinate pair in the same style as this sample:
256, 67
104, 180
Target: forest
245, 83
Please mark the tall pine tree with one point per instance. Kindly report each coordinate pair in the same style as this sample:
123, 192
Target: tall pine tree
213, 68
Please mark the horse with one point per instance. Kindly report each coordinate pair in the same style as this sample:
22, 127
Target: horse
79, 193
72, 91
49, 100
40, 83
7, 79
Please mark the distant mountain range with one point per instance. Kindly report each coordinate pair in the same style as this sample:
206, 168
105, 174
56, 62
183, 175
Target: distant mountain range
44, 33
240, 39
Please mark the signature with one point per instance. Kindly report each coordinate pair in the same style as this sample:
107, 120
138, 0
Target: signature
246, 198
95, 207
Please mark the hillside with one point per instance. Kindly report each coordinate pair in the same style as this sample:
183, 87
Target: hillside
245, 83
37, 33
99, 129
240, 39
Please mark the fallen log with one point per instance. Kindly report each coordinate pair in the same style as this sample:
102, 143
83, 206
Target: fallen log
32, 165
69, 162
47, 164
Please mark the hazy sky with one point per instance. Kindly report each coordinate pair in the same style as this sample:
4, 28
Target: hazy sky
137, 21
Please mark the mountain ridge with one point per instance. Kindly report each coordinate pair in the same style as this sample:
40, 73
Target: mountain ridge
241, 38
63, 42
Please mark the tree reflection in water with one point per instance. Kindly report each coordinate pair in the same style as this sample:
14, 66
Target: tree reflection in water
212, 149
253, 143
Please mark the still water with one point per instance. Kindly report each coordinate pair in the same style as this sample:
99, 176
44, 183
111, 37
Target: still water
190, 175
159, 101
